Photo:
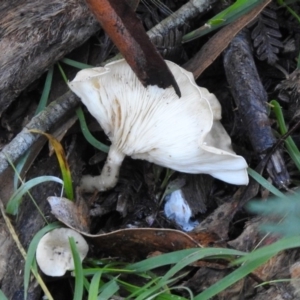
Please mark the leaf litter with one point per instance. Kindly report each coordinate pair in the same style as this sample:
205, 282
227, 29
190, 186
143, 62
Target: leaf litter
129, 221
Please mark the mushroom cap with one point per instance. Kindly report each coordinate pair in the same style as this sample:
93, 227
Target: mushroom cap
153, 124
53, 253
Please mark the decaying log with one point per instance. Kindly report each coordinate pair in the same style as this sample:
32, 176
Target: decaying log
35, 34
251, 100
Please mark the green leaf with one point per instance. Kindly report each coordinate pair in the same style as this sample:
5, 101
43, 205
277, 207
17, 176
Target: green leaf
15, 200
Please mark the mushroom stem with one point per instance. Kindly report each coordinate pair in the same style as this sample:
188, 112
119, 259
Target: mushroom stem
109, 175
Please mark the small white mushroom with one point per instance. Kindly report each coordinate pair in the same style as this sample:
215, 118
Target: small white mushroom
53, 253
184, 134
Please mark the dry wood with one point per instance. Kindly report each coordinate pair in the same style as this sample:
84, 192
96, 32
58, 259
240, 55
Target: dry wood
251, 100
127, 32
181, 17
34, 35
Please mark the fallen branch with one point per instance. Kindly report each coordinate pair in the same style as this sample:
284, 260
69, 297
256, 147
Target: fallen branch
44, 121
251, 100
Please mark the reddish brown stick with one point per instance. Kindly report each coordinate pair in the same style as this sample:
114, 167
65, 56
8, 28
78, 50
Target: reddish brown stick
126, 31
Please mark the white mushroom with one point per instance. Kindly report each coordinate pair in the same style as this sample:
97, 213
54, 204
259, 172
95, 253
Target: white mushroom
53, 253
151, 123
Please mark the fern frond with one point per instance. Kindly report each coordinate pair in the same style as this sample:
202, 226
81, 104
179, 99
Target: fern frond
266, 35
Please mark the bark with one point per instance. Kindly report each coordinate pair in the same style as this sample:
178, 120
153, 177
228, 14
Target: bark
35, 34
251, 100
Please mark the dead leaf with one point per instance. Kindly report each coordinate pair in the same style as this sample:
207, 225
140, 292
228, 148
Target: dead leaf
75, 214
129, 242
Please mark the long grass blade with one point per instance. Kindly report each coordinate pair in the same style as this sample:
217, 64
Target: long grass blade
87, 134
233, 277
94, 286
76, 64
78, 292
46, 91
15, 200
178, 256
227, 16
108, 290
289, 142
265, 183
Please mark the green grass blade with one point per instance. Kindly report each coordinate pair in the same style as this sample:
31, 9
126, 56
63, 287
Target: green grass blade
282, 244
87, 134
78, 292
105, 270
15, 200
178, 256
200, 254
161, 260
147, 293
290, 10
232, 278
227, 16
42, 104
84, 128
185, 261
46, 91
31, 253
2, 296
94, 286
250, 262
265, 183
18, 169
286, 211
75, 64
108, 290
289, 143
137, 291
